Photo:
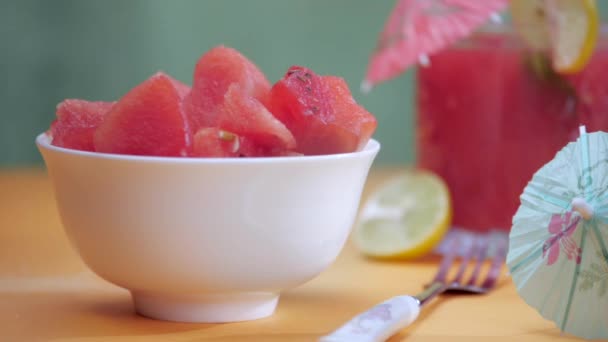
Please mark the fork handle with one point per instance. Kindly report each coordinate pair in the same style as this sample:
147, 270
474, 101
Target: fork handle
378, 323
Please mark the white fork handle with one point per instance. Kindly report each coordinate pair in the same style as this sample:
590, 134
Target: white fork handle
378, 323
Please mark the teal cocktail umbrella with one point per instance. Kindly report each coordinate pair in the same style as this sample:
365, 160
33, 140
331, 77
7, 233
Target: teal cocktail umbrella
558, 256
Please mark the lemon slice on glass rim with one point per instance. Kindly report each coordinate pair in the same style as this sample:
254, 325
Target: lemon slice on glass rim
405, 218
567, 29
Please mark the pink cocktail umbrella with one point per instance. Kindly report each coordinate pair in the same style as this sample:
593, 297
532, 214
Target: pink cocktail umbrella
418, 28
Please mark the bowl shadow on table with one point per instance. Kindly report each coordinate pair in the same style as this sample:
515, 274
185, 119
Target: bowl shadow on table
303, 302
67, 315
77, 315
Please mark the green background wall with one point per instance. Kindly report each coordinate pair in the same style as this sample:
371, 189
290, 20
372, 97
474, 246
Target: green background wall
90, 49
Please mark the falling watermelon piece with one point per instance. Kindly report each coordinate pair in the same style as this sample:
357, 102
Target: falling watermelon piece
214, 73
244, 115
320, 112
76, 122
416, 29
148, 120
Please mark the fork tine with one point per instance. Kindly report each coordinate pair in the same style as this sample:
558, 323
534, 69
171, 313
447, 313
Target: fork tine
447, 261
464, 262
481, 258
497, 262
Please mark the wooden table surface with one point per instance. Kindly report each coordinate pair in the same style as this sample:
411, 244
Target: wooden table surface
46, 292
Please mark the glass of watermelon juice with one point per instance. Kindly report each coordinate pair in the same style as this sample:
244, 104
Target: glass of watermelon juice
490, 113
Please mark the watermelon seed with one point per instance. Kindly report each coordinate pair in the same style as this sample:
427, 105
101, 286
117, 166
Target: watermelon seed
312, 110
301, 78
226, 136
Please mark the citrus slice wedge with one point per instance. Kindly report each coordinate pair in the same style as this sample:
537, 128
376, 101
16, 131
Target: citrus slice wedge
531, 22
405, 218
567, 29
574, 31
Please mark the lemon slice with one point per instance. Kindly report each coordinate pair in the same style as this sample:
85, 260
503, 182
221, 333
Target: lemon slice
575, 26
405, 218
531, 21
567, 29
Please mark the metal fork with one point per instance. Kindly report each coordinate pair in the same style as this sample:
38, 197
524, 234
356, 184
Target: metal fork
387, 318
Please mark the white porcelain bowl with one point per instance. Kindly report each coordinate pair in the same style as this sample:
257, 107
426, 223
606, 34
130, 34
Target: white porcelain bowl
207, 240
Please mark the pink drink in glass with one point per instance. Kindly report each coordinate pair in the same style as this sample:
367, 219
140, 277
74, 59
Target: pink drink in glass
487, 120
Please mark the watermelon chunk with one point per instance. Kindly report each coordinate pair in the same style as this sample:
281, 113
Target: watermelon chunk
350, 116
247, 117
320, 112
182, 89
214, 73
75, 123
215, 142
148, 120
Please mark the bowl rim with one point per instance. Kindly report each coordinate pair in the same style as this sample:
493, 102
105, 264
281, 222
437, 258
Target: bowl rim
43, 141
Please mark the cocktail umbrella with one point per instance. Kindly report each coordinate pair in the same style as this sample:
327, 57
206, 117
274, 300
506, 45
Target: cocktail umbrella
558, 254
418, 28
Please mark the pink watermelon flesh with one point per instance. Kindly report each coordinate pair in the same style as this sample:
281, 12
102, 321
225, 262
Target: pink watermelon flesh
247, 117
301, 101
215, 71
182, 89
320, 112
76, 122
214, 142
350, 116
232, 109
218, 143
148, 120
249, 148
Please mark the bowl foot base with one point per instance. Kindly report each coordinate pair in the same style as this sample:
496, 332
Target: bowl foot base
215, 308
